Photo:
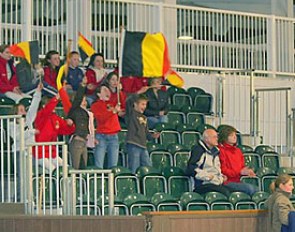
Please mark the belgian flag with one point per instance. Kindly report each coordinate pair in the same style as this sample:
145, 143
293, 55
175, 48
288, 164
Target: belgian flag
28, 50
85, 47
144, 54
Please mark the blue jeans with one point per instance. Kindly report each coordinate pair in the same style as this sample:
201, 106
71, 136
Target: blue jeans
137, 156
153, 120
109, 144
243, 187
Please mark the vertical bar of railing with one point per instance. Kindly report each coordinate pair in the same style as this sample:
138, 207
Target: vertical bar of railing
66, 195
29, 181
220, 96
252, 106
288, 112
22, 159
111, 193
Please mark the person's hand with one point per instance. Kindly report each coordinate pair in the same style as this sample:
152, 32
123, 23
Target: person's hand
96, 142
69, 122
224, 178
68, 86
162, 113
40, 87
57, 96
251, 173
143, 89
84, 81
156, 135
36, 132
121, 113
16, 90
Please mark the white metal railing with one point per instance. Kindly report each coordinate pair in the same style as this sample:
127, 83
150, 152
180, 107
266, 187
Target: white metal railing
218, 38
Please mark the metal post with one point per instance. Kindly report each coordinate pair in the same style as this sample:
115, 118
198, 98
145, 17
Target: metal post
111, 193
65, 178
27, 20
252, 106
220, 96
29, 181
22, 158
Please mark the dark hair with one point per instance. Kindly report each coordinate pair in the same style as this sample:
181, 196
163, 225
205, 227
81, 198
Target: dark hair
140, 97
48, 56
92, 58
281, 179
3, 47
224, 132
107, 79
151, 80
73, 53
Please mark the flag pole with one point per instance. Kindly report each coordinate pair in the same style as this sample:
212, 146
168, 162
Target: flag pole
120, 61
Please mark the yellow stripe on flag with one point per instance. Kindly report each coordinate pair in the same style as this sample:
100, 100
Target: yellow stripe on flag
85, 45
59, 77
153, 47
174, 79
25, 46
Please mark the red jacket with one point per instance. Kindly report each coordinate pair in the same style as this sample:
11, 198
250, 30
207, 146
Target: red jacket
114, 99
232, 162
50, 76
107, 122
50, 125
6, 84
91, 79
133, 84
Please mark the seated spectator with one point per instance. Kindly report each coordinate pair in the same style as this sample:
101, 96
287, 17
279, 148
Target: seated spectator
278, 204
29, 77
132, 85
95, 74
9, 85
112, 82
52, 63
157, 107
75, 74
50, 126
232, 161
108, 126
204, 165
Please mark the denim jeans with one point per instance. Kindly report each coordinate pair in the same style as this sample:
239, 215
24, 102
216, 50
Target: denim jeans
109, 144
243, 187
137, 156
153, 120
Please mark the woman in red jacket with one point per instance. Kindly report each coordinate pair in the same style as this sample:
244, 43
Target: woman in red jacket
232, 161
52, 63
9, 85
50, 126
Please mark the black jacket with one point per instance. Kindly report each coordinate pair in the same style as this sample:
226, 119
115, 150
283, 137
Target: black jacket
156, 104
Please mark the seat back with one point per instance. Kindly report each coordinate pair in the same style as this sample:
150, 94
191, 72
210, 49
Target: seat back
203, 103
161, 159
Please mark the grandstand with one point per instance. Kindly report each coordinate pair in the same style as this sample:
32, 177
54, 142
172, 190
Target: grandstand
238, 69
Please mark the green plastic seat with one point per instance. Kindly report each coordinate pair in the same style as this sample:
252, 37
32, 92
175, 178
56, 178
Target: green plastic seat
203, 103
181, 159
193, 201
241, 200
165, 202
169, 136
120, 170
6, 101
181, 99
173, 90
286, 170
271, 160
188, 108
259, 198
161, 159
195, 91
87, 209
118, 203
164, 126
245, 148
195, 119
122, 136
185, 127
175, 147
154, 147
252, 160
267, 176
176, 118
26, 102
265, 171
218, 201
201, 128
261, 149
253, 180
138, 203
190, 138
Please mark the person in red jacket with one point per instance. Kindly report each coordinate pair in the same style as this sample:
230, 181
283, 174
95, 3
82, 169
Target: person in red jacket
106, 115
9, 85
52, 63
232, 161
95, 74
50, 126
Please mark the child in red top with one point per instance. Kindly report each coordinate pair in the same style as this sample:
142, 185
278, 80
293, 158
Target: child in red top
232, 161
52, 62
106, 115
50, 126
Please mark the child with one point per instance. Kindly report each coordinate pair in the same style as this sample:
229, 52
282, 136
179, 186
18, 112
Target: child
137, 132
108, 126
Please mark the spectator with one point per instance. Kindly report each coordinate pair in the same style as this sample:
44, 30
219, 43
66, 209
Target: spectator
9, 85
157, 107
108, 126
204, 165
112, 82
138, 133
75, 74
84, 128
50, 125
95, 74
52, 63
131, 85
279, 204
232, 161
29, 77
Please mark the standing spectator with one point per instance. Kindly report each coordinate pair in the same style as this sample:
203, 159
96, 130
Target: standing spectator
75, 74
84, 128
108, 126
138, 133
9, 85
279, 204
157, 107
95, 74
204, 165
52, 63
50, 126
232, 161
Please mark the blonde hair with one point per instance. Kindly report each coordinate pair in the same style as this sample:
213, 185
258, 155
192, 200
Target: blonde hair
281, 179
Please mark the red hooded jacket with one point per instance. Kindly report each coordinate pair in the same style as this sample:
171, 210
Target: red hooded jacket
91, 79
50, 125
6, 84
232, 162
50, 76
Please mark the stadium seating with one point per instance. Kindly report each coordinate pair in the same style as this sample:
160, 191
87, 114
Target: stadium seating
259, 198
165, 202
138, 203
241, 200
218, 201
193, 201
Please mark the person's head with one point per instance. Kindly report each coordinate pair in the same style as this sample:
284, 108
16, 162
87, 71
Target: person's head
210, 137
74, 59
283, 182
19, 109
140, 103
155, 83
5, 52
227, 134
111, 80
103, 93
52, 59
96, 61
84, 102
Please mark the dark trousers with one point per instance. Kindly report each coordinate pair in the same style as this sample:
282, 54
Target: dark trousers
203, 189
78, 151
